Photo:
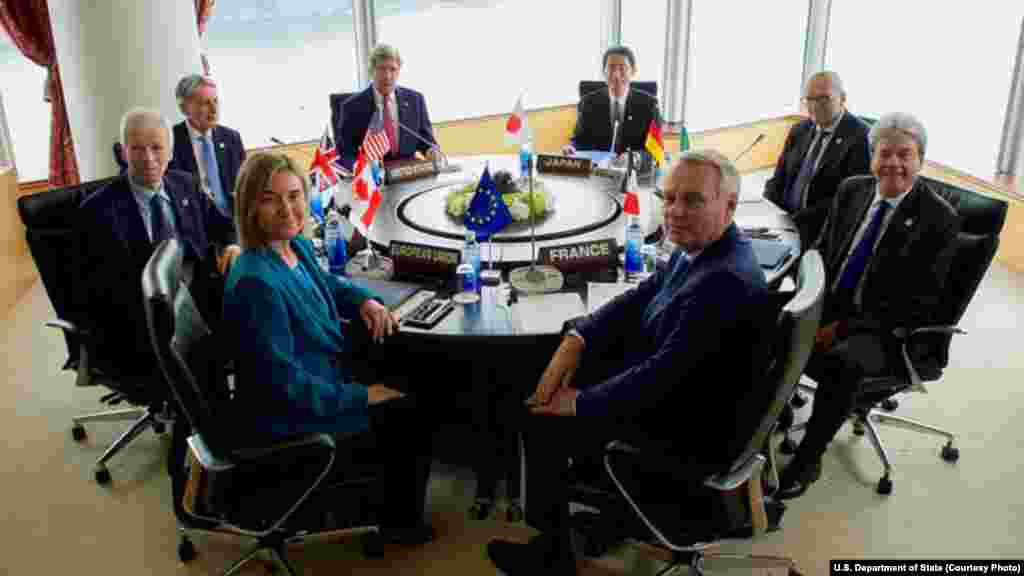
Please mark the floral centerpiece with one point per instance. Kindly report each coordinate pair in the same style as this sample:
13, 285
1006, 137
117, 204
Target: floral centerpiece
514, 192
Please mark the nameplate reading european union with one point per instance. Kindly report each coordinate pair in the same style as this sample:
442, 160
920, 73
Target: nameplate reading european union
548, 164
422, 260
405, 172
590, 256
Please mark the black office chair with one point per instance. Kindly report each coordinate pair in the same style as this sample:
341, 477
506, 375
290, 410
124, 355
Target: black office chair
119, 159
796, 328
250, 498
336, 116
788, 353
925, 350
53, 239
588, 86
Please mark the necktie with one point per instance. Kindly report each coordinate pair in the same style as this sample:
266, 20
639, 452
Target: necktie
161, 225
862, 253
213, 176
668, 288
389, 126
795, 194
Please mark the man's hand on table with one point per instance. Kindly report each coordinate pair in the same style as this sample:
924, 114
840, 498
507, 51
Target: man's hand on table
560, 370
563, 403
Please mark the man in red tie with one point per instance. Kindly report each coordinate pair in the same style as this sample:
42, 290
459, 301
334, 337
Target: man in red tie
403, 113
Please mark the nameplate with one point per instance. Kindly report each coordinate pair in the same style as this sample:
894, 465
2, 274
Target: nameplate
422, 260
581, 256
409, 170
548, 164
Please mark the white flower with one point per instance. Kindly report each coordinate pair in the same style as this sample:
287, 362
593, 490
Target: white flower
520, 211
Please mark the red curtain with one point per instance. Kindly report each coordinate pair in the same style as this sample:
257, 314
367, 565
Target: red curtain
27, 23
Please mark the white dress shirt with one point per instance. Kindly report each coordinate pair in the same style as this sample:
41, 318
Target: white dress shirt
143, 195
622, 106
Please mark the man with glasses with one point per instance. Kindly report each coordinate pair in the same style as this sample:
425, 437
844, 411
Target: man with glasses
620, 107
820, 152
685, 340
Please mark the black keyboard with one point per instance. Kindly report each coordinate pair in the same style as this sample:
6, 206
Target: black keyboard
428, 313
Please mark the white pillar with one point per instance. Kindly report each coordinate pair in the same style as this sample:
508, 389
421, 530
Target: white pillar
366, 39
611, 24
676, 71
1011, 146
115, 55
815, 40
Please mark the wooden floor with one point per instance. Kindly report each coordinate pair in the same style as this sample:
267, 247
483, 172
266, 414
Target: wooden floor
57, 521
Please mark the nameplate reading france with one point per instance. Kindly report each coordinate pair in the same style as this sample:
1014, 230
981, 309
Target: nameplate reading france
581, 256
422, 260
548, 164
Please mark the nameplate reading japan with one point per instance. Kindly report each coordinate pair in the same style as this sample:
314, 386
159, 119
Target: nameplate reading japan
422, 260
547, 164
404, 172
581, 256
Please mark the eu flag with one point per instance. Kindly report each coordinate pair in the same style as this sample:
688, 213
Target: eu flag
487, 212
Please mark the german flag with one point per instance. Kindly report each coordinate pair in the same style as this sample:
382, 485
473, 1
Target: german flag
654, 144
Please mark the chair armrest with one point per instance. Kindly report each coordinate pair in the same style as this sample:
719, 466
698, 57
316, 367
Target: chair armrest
208, 460
66, 326
916, 384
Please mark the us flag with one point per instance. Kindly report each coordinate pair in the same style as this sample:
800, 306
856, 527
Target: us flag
376, 143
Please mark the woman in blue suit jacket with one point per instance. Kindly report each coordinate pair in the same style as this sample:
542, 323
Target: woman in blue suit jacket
282, 319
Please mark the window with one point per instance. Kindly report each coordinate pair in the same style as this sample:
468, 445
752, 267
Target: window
475, 57
643, 30
950, 67
28, 116
276, 63
746, 59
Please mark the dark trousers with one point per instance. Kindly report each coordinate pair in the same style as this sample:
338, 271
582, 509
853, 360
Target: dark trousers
839, 373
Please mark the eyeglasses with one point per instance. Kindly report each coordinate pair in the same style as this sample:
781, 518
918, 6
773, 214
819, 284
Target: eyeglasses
693, 201
817, 100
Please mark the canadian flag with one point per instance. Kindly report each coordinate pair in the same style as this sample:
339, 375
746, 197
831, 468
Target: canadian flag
366, 197
517, 131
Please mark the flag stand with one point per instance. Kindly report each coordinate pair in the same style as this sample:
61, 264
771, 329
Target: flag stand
370, 264
535, 278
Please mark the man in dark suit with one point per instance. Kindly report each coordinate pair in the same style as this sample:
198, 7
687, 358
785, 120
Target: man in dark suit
598, 112
403, 113
820, 152
887, 246
204, 148
635, 367
123, 222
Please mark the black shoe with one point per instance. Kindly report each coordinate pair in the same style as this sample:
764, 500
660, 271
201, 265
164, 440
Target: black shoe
409, 536
541, 555
797, 478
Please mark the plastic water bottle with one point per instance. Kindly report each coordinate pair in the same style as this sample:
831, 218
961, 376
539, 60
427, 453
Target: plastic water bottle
634, 261
471, 256
524, 161
337, 248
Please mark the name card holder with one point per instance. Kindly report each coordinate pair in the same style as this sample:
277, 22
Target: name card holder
423, 261
404, 171
593, 256
564, 165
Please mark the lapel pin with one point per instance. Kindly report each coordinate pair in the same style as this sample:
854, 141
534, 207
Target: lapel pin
909, 222
184, 202
839, 140
629, 117
220, 145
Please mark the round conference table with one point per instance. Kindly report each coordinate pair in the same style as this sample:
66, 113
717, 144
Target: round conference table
484, 361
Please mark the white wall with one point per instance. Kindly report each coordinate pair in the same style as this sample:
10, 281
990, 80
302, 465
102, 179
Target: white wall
114, 55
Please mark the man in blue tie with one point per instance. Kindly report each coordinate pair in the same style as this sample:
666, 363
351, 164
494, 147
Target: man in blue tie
641, 367
212, 152
820, 152
887, 246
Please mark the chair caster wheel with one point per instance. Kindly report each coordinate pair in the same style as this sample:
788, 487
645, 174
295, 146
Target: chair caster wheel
697, 565
372, 544
798, 400
858, 428
788, 446
78, 432
186, 551
514, 513
884, 486
480, 509
159, 427
102, 475
890, 404
950, 453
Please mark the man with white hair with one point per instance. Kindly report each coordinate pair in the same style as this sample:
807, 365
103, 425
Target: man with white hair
887, 245
686, 339
820, 152
202, 146
122, 223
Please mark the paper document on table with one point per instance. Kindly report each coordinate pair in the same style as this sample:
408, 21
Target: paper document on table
545, 313
598, 293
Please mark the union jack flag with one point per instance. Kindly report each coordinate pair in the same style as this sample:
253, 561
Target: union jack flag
376, 143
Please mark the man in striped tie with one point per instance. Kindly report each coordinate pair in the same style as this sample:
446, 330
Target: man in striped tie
401, 111
887, 245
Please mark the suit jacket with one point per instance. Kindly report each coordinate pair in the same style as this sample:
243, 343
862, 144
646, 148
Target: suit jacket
848, 154
116, 248
289, 379
357, 112
227, 145
594, 125
690, 357
904, 278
